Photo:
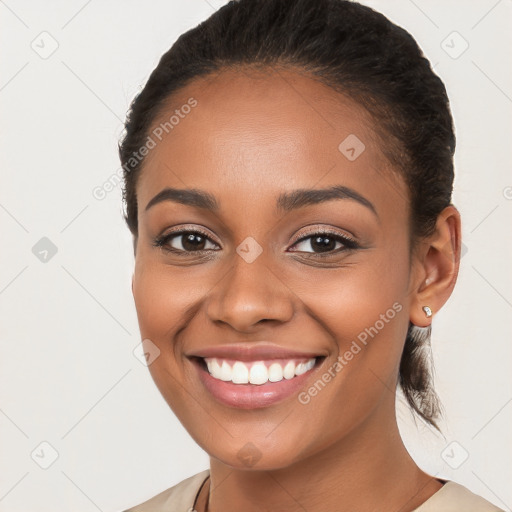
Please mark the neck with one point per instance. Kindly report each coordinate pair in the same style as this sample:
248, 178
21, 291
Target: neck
370, 469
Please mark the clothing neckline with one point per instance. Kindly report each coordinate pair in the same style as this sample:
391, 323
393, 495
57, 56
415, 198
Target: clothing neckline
447, 484
427, 502
194, 505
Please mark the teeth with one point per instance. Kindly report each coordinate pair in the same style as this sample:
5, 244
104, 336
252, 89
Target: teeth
304, 367
275, 372
240, 373
221, 372
225, 371
289, 370
257, 372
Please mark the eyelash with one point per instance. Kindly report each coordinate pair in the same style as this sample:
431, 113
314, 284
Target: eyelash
349, 243
163, 240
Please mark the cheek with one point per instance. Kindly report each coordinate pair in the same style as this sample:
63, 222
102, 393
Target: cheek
161, 296
153, 304
167, 300
159, 306
161, 301
364, 309
350, 300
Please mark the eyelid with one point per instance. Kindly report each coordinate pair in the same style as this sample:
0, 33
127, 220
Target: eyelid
161, 241
348, 240
192, 228
317, 230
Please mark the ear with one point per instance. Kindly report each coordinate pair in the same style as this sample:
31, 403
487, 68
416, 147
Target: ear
437, 268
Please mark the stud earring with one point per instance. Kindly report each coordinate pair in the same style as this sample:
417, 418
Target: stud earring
428, 311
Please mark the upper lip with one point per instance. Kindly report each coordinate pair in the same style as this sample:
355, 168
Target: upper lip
249, 352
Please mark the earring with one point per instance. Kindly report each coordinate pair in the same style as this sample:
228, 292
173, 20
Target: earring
428, 311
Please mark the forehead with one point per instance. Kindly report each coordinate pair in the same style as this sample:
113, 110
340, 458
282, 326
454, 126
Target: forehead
267, 132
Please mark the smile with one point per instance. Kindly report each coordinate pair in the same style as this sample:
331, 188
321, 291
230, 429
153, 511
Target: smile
256, 383
257, 372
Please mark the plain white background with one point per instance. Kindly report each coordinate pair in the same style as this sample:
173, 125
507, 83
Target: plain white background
69, 377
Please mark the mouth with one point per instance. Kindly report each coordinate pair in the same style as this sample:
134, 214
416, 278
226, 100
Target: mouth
256, 372
252, 384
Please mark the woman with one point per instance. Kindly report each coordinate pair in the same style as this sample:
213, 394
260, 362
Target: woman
288, 178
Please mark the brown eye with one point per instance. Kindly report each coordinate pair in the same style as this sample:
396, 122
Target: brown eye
324, 243
193, 242
186, 241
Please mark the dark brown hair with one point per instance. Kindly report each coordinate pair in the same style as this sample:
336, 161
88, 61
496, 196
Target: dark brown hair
356, 51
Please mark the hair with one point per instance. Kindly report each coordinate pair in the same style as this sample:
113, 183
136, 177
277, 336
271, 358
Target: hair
356, 51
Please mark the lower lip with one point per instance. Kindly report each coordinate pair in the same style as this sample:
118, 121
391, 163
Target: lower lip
252, 396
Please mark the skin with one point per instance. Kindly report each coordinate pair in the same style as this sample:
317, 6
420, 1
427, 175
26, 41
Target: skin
251, 137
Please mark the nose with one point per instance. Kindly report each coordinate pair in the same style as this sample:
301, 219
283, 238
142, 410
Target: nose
248, 295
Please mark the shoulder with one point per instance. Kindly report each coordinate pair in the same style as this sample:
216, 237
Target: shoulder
179, 498
453, 497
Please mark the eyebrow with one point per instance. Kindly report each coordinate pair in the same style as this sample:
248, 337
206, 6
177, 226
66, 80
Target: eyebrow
189, 197
305, 197
286, 202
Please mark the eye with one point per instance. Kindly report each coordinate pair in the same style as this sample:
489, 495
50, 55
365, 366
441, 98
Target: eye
324, 242
186, 241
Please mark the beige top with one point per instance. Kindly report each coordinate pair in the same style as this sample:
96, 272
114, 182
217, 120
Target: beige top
452, 497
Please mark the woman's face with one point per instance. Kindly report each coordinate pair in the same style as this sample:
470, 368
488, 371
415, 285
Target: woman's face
288, 169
